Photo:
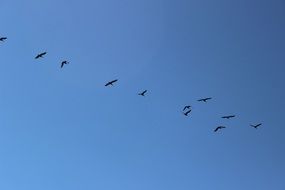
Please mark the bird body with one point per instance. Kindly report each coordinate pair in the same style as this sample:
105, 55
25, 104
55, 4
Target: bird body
256, 126
2, 39
63, 63
219, 128
204, 99
142, 93
40, 55
228, 116
111, 82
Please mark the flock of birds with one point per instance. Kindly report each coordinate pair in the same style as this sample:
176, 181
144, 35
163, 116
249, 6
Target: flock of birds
186, 110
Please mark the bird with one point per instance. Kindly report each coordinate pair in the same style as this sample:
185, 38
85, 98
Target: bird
2, 39
142, 93
228, 116
63, 63
186, 113
40, 55
204, 99
111, 82
219, 127
186, 107
256, 126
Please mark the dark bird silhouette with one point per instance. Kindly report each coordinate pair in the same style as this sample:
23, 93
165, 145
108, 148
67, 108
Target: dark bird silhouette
143, 93
186, 113
64, 63
204, 99
219, 128
2, 39
228, 116
41, 55
111, 82
256, 126
186, 107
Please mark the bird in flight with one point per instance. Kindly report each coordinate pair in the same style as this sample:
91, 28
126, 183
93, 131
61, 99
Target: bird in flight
142, 93
219, 128
228, 116
256, 126
41, 55
204, 99
2, 39
111, 82
186, 107
63, 63
186, 113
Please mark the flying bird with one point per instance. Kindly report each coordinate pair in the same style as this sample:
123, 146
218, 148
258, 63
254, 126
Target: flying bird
2, 39
256, 126
64, 63
219, 128
111, 82
186, 113
142, 93
204, 99
41, 55
228, 116
186, 107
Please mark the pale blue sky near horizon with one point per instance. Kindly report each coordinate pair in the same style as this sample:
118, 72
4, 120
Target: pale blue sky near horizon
62, 129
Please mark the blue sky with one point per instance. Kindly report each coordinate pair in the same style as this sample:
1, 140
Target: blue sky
61, 129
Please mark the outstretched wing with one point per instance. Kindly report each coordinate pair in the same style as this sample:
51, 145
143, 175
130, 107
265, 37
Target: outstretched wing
42, 54
113, 81
258, 125
255, 126
219, 127
188, 112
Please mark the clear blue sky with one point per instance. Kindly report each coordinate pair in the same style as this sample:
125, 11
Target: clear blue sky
61, 129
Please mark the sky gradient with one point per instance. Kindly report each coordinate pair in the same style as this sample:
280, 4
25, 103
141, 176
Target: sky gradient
62, 129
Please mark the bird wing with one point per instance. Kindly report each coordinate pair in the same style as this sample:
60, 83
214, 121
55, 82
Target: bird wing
255, 126
228, 116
